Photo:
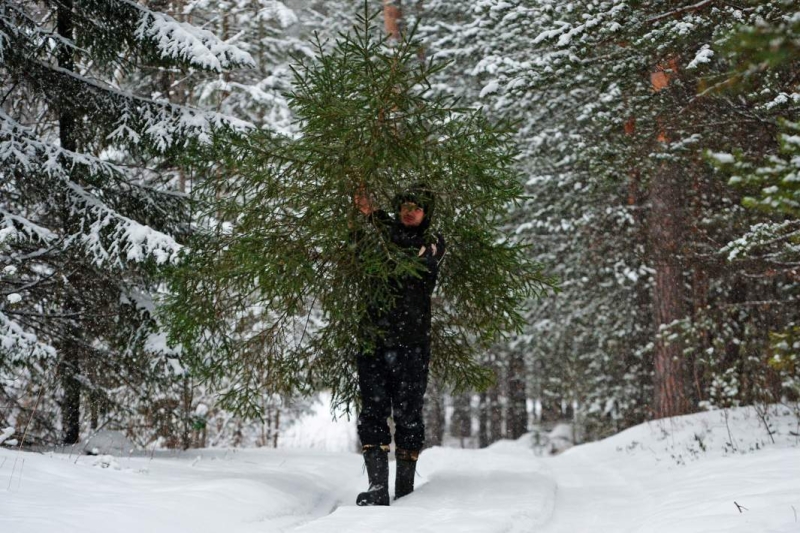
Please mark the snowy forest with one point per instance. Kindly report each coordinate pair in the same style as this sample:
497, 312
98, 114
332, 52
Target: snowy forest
255, 255
654, 203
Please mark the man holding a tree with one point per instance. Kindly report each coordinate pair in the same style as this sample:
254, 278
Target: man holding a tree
393, 377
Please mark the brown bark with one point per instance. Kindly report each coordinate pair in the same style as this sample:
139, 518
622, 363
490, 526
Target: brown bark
666, 239
667, 246
393, 18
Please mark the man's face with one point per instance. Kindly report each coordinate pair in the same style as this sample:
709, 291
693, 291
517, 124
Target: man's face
411, 214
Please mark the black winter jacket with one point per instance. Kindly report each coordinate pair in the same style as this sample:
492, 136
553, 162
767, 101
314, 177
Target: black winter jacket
408, 321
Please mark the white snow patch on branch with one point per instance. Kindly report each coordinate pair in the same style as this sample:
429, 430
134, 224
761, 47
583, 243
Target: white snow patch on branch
703, 55
722, 157
15, 228
106, 235
110, 236
275, 10
791, 139
491, 87
157, 343
20, 344
184, 42
6, 433
167, 123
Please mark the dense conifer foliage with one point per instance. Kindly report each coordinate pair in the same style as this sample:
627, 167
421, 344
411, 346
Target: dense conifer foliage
88, 212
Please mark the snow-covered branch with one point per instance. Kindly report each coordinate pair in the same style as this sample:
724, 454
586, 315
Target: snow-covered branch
163, 123
14, 228
184, 42
107, 235
110, 237
18, 343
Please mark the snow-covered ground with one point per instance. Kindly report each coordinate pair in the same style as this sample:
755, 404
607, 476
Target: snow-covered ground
690, 474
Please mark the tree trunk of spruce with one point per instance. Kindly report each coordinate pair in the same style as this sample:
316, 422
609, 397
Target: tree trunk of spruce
666, 239
517, 412
188, 419
461, 423
433, 413
483, 421
550, 382
701, 273
69, 367
277, 427
495, 416
734, 354
551, 409
637, 201
94, 407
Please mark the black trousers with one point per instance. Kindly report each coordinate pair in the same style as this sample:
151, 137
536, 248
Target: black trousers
392, 382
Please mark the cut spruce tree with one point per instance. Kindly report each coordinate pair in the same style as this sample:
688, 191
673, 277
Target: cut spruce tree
89, 206
274, 290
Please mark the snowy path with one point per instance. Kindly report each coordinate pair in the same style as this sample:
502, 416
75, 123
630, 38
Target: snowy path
591, 490
684, 477
463, 491
466, 491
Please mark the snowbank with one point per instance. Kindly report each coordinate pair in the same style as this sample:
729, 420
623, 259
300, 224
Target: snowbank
718, 471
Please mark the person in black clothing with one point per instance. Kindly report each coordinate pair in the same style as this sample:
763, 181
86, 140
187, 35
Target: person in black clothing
393, 378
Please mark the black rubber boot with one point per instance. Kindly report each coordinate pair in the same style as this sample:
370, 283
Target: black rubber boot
376, 459
406, 470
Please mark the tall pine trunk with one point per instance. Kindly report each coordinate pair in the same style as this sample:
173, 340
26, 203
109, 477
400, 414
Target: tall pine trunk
667, 247
666, 239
